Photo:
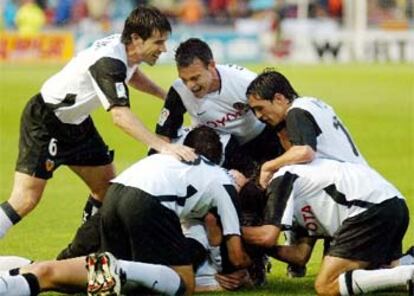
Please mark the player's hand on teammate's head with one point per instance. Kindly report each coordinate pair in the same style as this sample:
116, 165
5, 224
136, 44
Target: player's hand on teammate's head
180, 151
239, 179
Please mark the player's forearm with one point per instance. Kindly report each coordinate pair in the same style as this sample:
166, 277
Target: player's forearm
294, 155
294, 254
265, 236
130, 124
141, 82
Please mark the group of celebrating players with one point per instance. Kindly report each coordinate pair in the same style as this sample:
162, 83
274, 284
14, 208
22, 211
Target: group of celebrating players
206, 208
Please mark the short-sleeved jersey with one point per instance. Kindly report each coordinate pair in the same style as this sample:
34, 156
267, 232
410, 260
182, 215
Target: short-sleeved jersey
188, 189
97, 76
319, 196
312, 122
225, 110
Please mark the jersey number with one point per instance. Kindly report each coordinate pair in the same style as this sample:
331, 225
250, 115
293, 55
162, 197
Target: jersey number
338, 125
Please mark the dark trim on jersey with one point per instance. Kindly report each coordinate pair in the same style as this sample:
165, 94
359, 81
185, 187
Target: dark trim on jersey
110, 75
231, 190
69, 100
180, 200
302, 128
220, 80
174, 105
340, 198
10, 212
278, 193
348, 282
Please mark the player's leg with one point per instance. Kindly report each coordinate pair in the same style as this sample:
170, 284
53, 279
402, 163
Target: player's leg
65, 276
326, 282
35, 164
97, 179
371, 239
26, 194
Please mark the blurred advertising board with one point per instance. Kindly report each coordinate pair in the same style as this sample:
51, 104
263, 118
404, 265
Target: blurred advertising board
51, 46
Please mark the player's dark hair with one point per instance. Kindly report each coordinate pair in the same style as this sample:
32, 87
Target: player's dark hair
205, 142
270, 82
191, 49
144, 20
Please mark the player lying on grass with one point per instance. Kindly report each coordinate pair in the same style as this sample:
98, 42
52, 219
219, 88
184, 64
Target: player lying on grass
140, 222
365, 216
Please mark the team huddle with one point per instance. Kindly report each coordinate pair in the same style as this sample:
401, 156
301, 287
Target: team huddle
206, 208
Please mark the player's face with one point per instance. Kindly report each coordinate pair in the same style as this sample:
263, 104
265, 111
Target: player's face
271, 112
198, 77
149, 51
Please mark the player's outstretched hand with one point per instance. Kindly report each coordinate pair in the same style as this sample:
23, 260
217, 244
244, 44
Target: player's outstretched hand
180, 151
265, 175
234, 280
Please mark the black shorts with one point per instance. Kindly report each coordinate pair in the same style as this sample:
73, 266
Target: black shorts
374, 236
136, 226
46, 143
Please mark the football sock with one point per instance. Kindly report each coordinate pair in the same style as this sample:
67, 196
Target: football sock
361, 281
20, 285
407, 260
9, 262
8, 217
91, 208
156, 277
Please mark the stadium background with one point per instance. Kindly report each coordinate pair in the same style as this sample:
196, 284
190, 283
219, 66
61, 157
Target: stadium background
370, 83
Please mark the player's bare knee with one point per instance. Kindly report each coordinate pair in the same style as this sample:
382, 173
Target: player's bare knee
187, 276
323, 287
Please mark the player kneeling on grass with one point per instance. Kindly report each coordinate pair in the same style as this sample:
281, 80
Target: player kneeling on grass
364, 214
140, 225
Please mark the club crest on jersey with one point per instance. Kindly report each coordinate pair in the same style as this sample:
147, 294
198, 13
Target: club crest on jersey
239, 106
120, 90
163, 116
50, 165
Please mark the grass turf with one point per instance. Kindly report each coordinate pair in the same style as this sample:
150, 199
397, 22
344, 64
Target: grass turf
376, 102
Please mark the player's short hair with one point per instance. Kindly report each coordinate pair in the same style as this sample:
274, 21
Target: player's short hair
270, 82
191, 49
144, 21
205, 142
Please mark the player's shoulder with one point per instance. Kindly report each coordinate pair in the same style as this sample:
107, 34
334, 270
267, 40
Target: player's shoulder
235, 71
109, 47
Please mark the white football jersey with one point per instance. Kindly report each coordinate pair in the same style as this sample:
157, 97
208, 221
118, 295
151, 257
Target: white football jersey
319, 196
333, 141
96, 77
225, 110
188, 189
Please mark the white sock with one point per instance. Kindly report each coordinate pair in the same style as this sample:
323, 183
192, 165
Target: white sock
407, 260
364, 281
5, 223
14, 286
10, 262
159, 278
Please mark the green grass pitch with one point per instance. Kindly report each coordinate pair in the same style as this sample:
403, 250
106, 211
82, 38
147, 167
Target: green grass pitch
376, 102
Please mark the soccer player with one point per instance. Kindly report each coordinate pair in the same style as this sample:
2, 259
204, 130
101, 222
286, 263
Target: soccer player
56, 127
140, 222
313, 128
364, 214
214, 95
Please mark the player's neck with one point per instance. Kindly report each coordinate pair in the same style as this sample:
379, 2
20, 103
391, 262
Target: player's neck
216, 82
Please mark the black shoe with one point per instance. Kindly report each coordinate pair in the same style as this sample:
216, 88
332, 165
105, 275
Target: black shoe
410, 285
296, 271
